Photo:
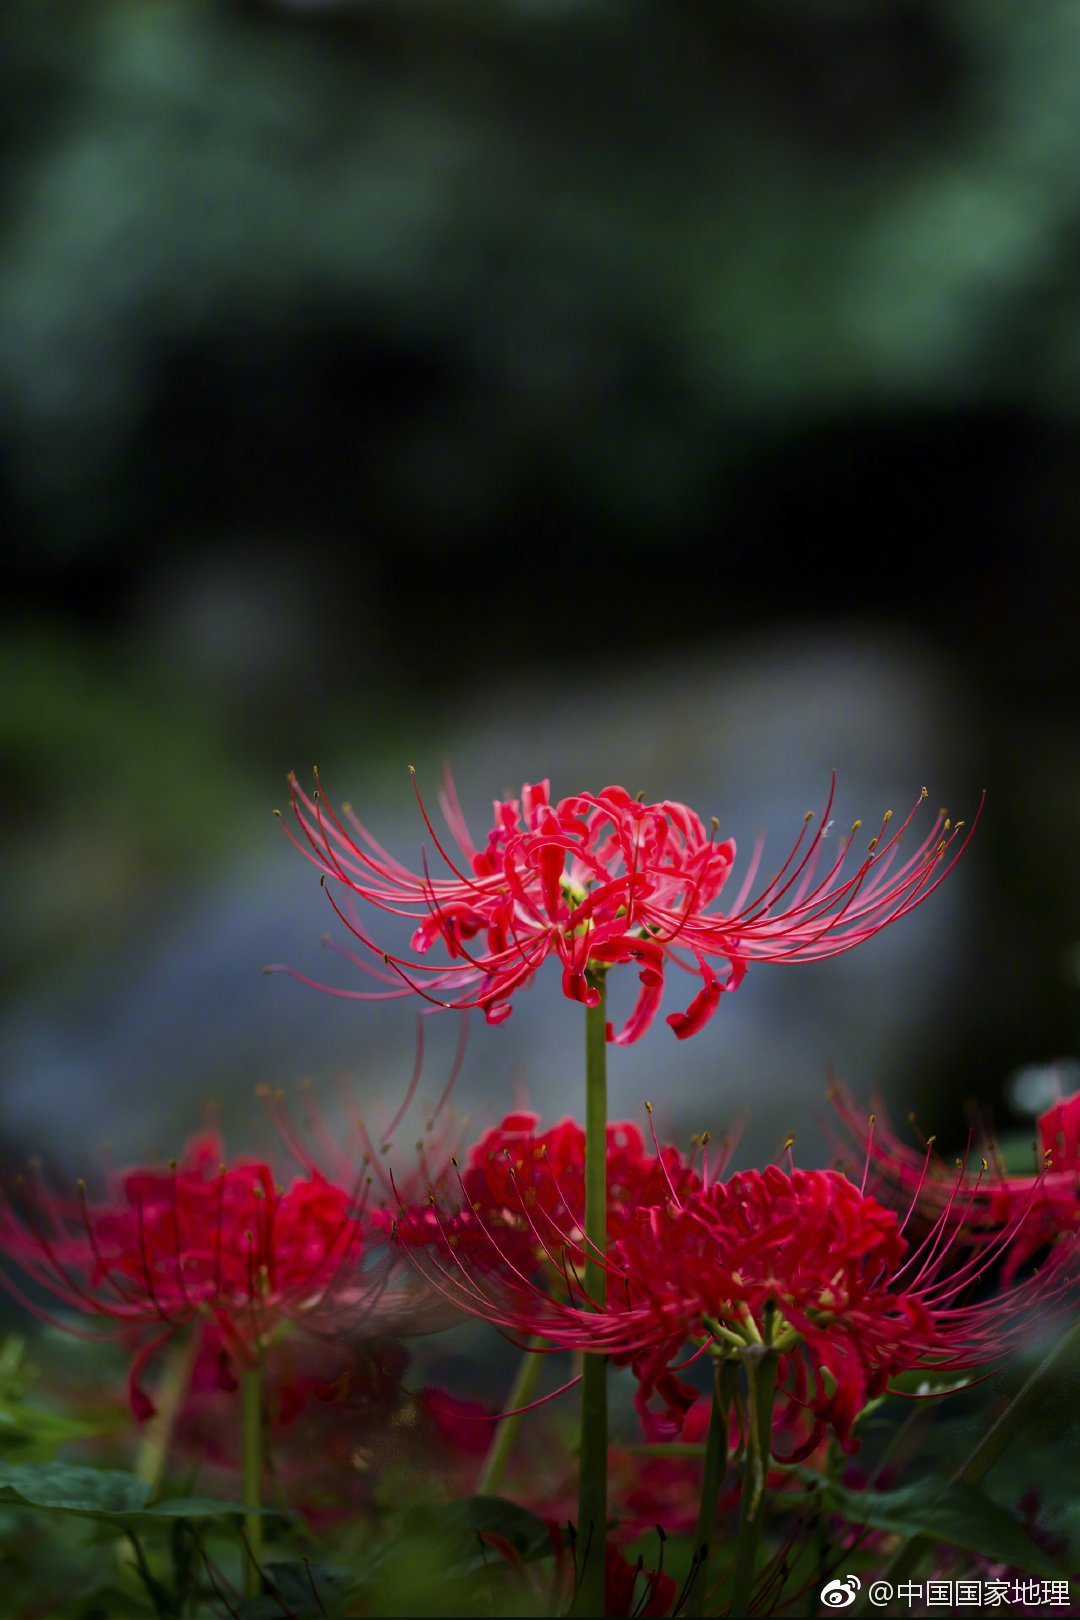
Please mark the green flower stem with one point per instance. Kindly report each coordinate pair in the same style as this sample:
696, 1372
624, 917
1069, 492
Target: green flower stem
986, 1453
761, 1364
156, 1437
716, 1447
502, 1445
251, 1397
592, 1479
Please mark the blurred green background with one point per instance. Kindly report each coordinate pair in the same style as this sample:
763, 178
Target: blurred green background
681, 394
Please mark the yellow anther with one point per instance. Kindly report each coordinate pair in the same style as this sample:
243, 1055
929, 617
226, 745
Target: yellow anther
924, 793
262, 1089
640, 796
81, 1184
855, 825
888, 818
704, 1138
873, 1119
930, 1140
871, 846
648, 1106
173, 1163
347, 807
715, 823
453, 1160
809, 816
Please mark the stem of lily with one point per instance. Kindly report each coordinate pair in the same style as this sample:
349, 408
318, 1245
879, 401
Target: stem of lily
716, 1447
980, 1461
761, 1366
251, 1397
156, 1437
502, 1445
592, 1479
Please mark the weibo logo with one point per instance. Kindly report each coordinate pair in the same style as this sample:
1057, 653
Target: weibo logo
839, 1594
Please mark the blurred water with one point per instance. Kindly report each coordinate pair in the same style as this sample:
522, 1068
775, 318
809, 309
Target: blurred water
125, 1047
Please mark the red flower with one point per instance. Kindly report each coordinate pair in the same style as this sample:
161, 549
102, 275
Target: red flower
523, 1190
198, 1239
803, 1262
1047, 1201
598, 879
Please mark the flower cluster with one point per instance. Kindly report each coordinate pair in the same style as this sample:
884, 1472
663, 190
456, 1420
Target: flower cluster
598, 879
803, 1263
521, 1186
199, 1239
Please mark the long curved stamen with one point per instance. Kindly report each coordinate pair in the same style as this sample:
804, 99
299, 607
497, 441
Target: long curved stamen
435, 839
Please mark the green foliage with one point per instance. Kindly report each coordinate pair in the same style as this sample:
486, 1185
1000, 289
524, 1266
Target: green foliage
951, 1512
29, 1431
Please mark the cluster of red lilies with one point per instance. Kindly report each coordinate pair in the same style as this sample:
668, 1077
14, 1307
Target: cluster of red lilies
850, 1281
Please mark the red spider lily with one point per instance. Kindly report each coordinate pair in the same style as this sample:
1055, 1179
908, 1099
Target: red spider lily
1049, 1197
528, 1188
598, 879
804, 1262
197, 1240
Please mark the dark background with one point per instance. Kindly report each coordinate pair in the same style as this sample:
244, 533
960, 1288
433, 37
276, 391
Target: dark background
680, 394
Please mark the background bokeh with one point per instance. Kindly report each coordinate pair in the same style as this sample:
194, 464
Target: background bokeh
669, 393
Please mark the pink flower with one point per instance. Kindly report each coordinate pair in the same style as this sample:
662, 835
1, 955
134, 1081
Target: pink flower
599, 879
198, 1239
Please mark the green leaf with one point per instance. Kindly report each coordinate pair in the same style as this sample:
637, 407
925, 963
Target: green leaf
432, 1566
28, 1434
952, 1512
451, 1529
203, 1507
72, 1488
